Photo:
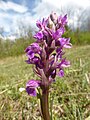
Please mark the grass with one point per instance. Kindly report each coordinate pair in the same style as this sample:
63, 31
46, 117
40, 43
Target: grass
69, 96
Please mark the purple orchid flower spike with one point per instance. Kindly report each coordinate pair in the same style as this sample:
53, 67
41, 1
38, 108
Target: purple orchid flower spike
48, 40
46, 54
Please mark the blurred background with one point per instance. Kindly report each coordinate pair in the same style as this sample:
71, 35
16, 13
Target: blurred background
18, 22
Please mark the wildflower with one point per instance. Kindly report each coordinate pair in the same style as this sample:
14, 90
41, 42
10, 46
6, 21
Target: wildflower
31, 87
21, 89
65, 42
48, 40
61, 73
42, 24
39, 35
46, 54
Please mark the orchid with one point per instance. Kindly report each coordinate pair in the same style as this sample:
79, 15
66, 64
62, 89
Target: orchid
31, 87
46, 54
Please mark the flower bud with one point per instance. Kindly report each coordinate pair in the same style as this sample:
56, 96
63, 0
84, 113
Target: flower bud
51, 25
54, 17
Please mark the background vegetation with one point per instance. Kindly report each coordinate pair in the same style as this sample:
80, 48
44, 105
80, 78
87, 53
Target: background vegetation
69, 96
17, 47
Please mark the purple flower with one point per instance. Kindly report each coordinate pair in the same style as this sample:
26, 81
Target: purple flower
32, 50
56, 35
60, 53
64, 63
61, 73
65, 42
62, 20
41, 24
30, 54
31, 86
38, 35
33, 47
33, 60
47, 52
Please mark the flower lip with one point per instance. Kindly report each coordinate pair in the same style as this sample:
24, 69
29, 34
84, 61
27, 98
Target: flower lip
31, 86
33, 60
30, 54
65, 63
61, 73
58, 33
33, 47
38, 35
65, 42
32, 83
31, 92
32, 51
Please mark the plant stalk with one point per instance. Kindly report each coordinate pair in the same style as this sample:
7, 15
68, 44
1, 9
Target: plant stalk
45, 104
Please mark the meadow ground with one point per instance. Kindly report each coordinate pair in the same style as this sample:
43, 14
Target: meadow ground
69, 96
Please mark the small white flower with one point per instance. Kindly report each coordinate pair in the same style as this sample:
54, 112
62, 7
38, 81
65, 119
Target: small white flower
21, 89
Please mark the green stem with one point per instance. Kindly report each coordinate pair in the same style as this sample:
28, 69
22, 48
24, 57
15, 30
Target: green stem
45, 105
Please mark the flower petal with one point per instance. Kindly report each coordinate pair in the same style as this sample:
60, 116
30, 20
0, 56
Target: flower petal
31, 91
33, 83
61, 73
31, 86
38, 35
